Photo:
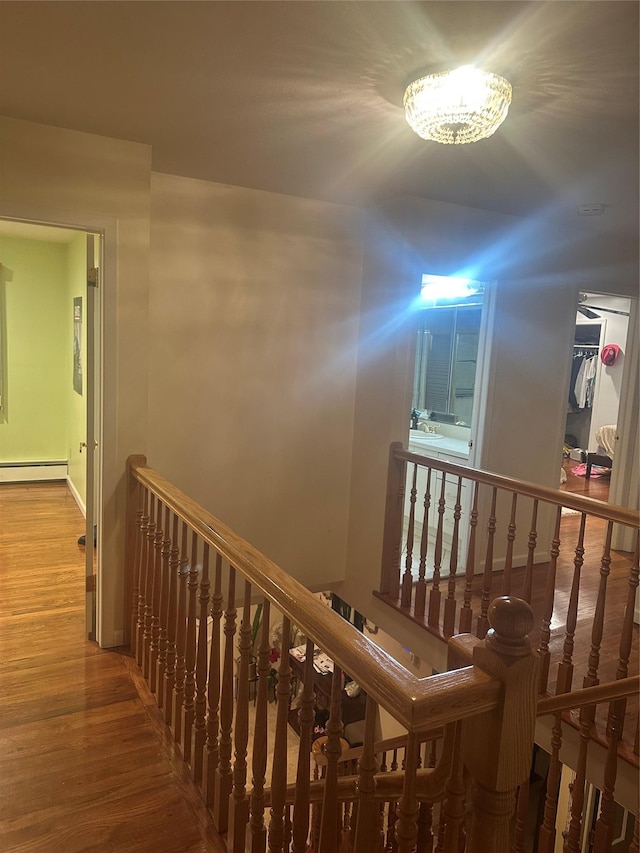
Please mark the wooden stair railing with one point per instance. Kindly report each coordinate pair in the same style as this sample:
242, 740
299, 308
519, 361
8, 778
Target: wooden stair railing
190, 577
614, 696
582, 591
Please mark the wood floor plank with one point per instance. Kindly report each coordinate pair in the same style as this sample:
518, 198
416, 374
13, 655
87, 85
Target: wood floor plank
84, 763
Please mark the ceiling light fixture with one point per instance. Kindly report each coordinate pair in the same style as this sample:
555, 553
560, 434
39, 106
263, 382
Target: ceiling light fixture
456, 107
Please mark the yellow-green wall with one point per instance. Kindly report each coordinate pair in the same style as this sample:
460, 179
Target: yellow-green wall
37, 351
42, 417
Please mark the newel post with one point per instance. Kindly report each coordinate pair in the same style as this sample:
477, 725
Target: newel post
393, 512
498, 744
133, 512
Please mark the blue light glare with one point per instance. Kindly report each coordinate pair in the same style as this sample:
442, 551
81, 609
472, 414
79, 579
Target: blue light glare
436, 287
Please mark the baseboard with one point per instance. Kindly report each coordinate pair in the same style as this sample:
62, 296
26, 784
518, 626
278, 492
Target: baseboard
518, 561
32, 472
112, 642
77, 497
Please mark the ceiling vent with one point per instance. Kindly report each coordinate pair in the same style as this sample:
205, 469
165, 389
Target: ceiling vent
591, 209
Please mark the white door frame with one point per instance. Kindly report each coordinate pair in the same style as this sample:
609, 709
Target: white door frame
92, 421
624, 475
483, 377
108, 609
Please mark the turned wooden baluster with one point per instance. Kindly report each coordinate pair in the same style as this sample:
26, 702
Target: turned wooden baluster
256, 829
316, 820
239, 801
287, 829
172, 623
626, 635
454, 795
406, 826
305, 720
148, 589
133, 515
224, 772
425, 815
367, 831
164, 612
531, 551
392, 818
511, 535
572, 840
351, 822
383, 763
407, 578
394, 760
498, 744
181, 638
545, 631
200, 703
421, 586
487, 577
142, 579
188, 707
565, 667
603, 836
279, 768
450, 601
634, 847
435, 596
547, 832
345, 822
156, 596
330, 826
442, 826
591, 678
466, 612
211, 755
393, 518
424, 843
522, 808
136, 568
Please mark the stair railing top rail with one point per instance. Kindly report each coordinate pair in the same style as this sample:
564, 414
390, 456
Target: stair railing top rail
591, 506
621, 689
418, 704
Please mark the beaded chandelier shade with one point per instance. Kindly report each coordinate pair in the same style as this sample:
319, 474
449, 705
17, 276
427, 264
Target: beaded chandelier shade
456, 107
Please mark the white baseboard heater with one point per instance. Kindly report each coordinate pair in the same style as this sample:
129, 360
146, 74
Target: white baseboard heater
33, 472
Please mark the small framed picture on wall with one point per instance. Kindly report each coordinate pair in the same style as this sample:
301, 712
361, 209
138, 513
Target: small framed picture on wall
77, 344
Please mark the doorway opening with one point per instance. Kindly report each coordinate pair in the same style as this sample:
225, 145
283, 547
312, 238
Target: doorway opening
593, 407
50, 370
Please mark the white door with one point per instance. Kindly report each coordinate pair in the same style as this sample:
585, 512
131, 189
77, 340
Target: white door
92, 530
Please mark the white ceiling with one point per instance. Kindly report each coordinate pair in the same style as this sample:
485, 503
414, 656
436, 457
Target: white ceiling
305, 98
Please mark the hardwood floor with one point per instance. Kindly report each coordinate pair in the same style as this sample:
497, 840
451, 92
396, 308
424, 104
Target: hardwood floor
592, 487
86, 763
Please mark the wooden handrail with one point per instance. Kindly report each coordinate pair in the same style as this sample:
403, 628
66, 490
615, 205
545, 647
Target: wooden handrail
589, 696
611, 512
418, 704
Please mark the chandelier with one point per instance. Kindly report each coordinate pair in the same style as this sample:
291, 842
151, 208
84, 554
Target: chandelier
455, 107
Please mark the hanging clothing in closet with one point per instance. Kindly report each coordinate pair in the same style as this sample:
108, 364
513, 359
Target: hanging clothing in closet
583, 379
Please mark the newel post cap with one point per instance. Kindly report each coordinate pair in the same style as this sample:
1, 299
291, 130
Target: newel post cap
511, 621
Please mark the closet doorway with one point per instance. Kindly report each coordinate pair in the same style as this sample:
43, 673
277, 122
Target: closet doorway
593, 407
50, 368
